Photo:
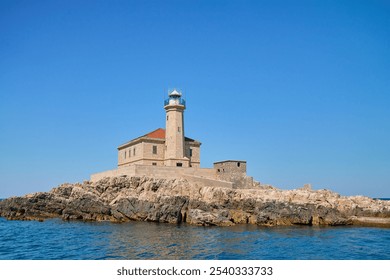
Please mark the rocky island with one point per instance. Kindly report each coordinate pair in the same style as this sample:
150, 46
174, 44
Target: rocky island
159, 179
123, 198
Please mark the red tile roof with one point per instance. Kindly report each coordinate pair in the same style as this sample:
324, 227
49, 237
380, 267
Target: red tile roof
158, 133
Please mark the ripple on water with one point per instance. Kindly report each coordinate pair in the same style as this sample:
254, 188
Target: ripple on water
56, 239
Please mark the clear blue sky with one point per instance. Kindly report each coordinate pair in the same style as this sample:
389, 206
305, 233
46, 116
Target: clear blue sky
299, 89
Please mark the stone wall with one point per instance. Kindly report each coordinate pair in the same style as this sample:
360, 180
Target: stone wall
202, 181
148, 152
156, 172
144, 154
230, 167
195, 157
177, 162
130, 154
233, 171
231, 175
109, 173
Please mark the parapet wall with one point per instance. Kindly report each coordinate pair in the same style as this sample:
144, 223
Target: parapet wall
109, 173
165, 172
208, 182
201, 176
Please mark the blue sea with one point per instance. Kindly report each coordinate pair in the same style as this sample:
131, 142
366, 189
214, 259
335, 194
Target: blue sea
57, 239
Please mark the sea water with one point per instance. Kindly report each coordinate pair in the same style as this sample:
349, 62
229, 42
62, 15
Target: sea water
57, 239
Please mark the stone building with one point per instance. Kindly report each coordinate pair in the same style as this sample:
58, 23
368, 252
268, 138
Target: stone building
164, 147
230, 166
168, 153
233, 171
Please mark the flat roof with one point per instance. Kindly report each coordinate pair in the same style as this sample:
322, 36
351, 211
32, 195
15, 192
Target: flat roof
230, 160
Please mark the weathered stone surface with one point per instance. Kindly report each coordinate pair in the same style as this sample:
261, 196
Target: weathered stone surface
120, 199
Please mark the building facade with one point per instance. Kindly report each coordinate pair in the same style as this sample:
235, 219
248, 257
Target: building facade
233, 171
163, 147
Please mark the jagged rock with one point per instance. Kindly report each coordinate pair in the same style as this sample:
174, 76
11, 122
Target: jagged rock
120, 199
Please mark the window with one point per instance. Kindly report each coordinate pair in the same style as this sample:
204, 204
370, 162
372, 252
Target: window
125, 154
179, 164
178, 129
155, 150
154, 163
190, 152
238, 164
167, 118
134, 152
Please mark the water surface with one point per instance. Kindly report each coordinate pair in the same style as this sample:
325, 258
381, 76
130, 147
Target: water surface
57, 239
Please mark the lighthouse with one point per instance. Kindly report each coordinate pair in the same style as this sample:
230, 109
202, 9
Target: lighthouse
174, 130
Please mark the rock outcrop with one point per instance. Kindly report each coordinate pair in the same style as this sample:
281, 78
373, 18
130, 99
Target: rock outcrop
120, 199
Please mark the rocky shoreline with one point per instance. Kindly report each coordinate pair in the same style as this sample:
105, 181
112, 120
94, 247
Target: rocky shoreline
121, 199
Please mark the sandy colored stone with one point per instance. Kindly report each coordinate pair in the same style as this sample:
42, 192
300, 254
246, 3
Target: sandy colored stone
122, 198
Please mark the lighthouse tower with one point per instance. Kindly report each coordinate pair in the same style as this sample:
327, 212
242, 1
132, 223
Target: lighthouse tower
174, 130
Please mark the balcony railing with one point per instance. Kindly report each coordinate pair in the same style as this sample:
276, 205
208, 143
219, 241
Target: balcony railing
174, 101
